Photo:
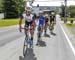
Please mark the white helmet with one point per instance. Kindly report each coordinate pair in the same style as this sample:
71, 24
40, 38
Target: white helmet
27, 8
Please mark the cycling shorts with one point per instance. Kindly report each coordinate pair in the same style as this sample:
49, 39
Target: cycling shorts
28, 23
46, 20
41, 24
51, 20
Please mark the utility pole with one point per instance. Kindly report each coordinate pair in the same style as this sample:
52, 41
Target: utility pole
65, 17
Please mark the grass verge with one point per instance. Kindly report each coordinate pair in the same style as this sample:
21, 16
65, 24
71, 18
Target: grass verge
70, 25
9, 22
68, 19
73, 33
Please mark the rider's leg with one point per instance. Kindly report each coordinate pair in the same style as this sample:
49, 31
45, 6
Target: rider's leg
32, 31
50, 26
25, 31
26, 28
32, 34
39, 28
38, 35
45, 28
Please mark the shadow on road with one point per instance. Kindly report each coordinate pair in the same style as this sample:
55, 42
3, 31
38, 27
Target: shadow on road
52, 33
29, 56
42, 43
46, 35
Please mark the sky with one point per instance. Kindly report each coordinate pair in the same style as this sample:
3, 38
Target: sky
53, 2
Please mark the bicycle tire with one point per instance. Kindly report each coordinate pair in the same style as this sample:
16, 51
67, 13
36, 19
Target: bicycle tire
24, 49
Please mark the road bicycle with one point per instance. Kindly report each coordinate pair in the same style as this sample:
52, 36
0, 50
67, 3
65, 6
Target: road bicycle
28, 43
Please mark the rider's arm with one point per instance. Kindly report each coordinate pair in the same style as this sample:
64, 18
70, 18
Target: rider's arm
20, 22
34, 19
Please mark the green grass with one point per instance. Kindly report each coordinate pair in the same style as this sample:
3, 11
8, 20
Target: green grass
73, 33
70, 25
9, 22
69, 19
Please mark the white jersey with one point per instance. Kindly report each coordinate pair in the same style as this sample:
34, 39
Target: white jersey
28, 18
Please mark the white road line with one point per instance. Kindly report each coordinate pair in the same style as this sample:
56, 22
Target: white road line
73, 49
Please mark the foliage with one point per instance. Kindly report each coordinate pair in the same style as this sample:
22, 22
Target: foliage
13, 8
69, 19
1, 6
62, 10
70, 25
71, 11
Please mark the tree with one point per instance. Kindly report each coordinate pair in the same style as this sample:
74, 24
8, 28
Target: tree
62, 10
20, 5
13, 8
1, 6
71, 11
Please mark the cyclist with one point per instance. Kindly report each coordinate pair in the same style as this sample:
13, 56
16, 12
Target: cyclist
52, 21
41, 23
29, 21
41, 20
46, 24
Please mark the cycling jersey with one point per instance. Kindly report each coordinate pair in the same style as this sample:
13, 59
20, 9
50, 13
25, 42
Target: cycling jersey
27, 18
41, 20
52, 18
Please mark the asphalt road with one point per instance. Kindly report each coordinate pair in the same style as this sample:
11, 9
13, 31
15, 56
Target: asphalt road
52, 47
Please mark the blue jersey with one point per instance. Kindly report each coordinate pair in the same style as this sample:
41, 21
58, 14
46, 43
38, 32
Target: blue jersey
41, 20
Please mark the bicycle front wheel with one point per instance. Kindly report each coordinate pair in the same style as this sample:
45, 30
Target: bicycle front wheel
24, 49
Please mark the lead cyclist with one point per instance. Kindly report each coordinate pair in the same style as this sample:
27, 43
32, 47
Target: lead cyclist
29, 21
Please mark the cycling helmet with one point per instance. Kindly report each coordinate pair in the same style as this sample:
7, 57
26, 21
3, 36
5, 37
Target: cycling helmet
27, 8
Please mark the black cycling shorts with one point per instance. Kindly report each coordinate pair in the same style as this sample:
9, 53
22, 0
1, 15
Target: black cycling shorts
51, 20
28, 23
46, 20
